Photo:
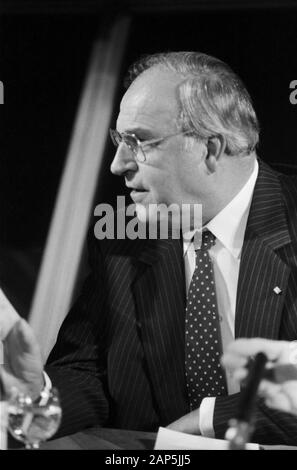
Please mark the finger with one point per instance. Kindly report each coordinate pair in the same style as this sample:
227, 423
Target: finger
11, 383
240, 374
279, 402
289, 389
233, 361
282, 397
249, 347
289, 353
267, 388
22, 336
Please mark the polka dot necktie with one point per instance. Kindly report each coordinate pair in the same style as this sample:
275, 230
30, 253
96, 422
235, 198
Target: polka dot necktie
204, 374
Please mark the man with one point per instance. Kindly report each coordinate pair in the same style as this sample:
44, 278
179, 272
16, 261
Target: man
279, 391
141, 346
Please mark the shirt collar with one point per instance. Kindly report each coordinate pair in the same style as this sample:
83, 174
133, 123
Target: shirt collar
229, 224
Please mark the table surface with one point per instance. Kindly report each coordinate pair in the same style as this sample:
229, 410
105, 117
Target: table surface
98, 438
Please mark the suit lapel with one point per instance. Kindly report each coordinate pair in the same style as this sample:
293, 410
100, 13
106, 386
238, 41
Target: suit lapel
262, 270
159, 292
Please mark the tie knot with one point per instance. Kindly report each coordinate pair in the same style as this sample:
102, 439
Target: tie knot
208, 240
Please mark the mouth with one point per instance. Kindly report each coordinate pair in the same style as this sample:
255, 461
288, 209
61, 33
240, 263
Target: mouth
138, 194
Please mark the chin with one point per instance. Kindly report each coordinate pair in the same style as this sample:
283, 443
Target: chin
158, 219
142, 213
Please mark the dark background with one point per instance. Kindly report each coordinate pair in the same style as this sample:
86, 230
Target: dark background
43, 59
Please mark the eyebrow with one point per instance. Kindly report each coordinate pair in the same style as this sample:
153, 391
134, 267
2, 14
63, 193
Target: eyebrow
141, 133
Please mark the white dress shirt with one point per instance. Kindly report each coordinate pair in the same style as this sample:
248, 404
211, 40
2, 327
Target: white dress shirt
228, 226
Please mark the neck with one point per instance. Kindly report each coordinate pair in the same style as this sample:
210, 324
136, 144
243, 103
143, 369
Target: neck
227, 183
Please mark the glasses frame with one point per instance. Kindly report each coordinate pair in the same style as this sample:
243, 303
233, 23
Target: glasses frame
118, 138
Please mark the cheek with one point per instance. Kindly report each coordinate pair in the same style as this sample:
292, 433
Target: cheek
155, 179
162, 189
163, 182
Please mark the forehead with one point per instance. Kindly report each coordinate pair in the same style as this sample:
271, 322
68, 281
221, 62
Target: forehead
150, 102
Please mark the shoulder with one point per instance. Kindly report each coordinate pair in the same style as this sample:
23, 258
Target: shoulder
288, 184
282, 177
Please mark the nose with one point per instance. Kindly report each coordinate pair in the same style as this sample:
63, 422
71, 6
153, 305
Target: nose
123, 161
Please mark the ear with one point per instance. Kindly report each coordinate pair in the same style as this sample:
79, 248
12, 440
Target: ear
215, 149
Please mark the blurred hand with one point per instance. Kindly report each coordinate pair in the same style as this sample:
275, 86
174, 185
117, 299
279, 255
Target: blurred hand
23, 365
281, 396
8, 316
188, 423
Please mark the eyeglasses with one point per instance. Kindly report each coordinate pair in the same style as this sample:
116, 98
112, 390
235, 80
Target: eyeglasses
135, 145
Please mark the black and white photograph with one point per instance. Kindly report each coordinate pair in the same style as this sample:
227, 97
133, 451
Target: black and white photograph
148, 227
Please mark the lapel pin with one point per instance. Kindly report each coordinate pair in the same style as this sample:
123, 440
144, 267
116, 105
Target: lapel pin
277, 290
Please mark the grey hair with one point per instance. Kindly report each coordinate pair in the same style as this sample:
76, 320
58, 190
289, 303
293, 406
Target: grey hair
213, 99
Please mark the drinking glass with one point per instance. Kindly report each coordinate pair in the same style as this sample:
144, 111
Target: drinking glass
31, 422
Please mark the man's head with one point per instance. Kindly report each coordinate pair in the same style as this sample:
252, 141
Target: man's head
207, 113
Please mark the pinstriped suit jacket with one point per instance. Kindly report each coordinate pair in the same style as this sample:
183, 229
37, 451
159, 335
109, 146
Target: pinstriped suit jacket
119, 357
